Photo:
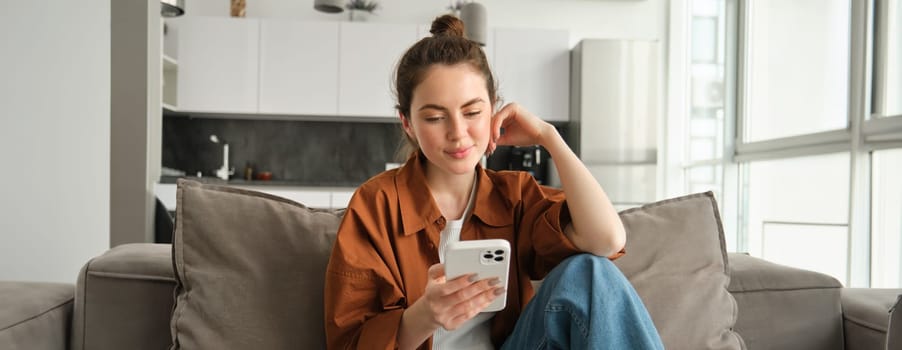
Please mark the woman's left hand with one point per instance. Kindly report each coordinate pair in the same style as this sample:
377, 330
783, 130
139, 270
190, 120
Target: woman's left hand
521, 128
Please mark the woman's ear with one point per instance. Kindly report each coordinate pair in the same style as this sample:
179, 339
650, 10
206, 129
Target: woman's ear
405, 123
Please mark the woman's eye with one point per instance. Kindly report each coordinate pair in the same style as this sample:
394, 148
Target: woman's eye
473, 113
432, 119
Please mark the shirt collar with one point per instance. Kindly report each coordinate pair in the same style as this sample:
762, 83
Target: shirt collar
418, 207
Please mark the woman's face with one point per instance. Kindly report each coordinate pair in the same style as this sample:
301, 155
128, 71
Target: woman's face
450, 117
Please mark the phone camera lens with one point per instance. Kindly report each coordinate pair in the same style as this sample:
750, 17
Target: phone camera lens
487, 256
499, 258
499, 252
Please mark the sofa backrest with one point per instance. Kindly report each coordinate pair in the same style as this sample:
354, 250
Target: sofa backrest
250, 268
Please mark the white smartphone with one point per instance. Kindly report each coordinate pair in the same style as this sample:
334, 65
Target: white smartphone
487, 258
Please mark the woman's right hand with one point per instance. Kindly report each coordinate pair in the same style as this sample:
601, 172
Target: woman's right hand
449, 304
445, 304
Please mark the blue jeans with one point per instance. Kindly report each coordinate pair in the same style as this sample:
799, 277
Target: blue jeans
585, 303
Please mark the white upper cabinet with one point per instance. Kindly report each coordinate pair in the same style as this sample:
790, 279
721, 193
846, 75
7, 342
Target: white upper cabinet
298, 67
345, 69
369, 54
218, 65
533, 69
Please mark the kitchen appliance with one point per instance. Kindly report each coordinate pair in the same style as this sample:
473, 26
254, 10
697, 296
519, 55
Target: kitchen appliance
531, 159
615, 109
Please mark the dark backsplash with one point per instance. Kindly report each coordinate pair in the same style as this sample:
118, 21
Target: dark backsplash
309, 153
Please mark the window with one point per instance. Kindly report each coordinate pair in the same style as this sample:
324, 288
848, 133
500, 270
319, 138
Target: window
886, 219
797, 67
706, 118
888, 59
797, 134
704, 125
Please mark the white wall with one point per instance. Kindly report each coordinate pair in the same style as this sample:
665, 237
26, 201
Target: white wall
645, 19
54, 137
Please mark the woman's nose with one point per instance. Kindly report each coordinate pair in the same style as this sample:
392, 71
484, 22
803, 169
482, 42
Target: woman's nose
458, 127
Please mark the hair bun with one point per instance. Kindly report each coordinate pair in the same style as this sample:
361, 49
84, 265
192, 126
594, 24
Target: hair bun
447, 25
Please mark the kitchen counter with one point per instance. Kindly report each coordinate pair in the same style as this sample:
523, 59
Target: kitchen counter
324, 186
310, 195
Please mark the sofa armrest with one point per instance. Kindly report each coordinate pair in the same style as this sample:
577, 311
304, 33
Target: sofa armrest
785, 308
867, 315
124, 299
894, 330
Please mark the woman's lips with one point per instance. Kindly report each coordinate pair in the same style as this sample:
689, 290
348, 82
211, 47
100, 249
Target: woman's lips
459, 153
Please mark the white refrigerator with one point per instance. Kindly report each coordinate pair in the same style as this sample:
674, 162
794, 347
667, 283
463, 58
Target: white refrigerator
616, 106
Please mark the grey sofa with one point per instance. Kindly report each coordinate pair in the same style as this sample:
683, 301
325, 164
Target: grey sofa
125, 298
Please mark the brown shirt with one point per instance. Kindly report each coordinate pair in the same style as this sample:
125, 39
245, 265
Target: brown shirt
389, 236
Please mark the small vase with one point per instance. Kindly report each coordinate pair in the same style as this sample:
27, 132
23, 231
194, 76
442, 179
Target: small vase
237, 8
358, 15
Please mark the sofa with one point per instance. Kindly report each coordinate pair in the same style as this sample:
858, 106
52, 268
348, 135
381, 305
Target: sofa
139, 296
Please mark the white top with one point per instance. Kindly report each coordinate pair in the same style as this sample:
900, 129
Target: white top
475, 333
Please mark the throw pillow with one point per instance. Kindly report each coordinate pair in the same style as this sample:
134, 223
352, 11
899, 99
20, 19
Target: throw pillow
677, 263
250, 269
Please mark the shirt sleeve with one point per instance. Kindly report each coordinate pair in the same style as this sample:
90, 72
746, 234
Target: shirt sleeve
363, 303
542, 215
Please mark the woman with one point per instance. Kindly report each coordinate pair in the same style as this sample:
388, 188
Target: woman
385, 285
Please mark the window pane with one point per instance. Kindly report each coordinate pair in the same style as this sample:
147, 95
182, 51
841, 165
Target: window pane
781, 243
892, 104
707, 70
795, 199
704, 39
705, 178
798, 67
886, 220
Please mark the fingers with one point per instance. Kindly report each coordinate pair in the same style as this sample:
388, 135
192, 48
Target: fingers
499, 119
471, 307
515, 126
436, 271
459, 299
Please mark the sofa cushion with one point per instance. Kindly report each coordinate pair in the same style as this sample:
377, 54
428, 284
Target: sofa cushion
676, 260
35, 315
250, 269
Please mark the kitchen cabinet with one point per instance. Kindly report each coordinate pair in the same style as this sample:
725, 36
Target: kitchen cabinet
170, 82
218, 65
344, 69
298, 67
533, 69
369, 53
170, 69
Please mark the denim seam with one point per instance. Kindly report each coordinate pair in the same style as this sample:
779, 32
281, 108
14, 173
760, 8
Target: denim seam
578, 321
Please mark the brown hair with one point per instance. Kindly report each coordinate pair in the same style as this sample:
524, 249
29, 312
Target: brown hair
447, 46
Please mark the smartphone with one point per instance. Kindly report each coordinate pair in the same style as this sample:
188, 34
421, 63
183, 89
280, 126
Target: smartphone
487, 258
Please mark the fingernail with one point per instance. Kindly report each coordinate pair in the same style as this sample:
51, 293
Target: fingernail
500, 291
472, 278
494, 281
